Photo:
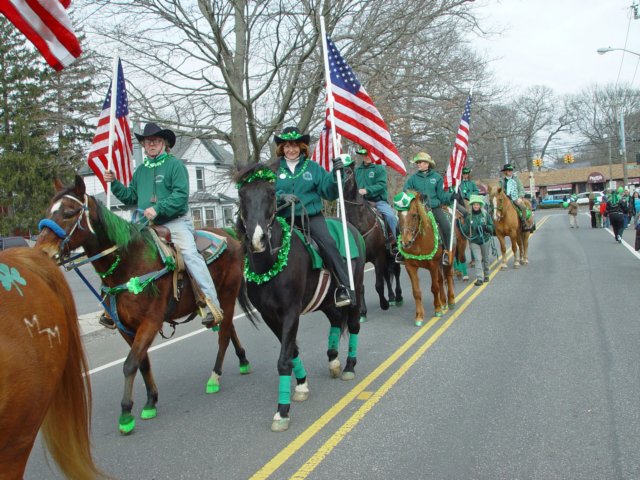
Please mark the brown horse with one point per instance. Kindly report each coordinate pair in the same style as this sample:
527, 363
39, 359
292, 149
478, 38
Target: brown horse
421, 248
133, 277
42, 368
508, 224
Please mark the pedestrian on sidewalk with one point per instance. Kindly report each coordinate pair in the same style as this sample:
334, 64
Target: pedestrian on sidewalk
478, 228
573, 211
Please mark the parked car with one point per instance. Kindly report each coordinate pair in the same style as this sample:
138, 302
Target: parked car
552, 201
11, 242
583, 198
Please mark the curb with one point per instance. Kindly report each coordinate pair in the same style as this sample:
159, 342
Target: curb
89, 323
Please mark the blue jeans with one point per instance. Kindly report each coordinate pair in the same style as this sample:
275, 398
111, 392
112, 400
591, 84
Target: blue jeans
389, 215
182, 235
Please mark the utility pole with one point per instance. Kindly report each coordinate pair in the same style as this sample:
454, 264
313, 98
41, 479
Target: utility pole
623, 151
506, 150
610, 166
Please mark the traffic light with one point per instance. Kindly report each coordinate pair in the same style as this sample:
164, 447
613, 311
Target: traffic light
568, 158
537, 162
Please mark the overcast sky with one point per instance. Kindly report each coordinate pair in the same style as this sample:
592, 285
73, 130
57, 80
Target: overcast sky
554, 42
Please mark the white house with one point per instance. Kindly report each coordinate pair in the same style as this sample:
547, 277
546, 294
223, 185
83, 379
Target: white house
213, 196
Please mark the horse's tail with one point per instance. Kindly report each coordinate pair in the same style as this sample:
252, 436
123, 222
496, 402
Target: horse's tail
245, 304
66, 426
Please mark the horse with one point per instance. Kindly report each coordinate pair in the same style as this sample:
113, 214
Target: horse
362, 215
282, 285
508, 224
140, 292
421, 248
43, 380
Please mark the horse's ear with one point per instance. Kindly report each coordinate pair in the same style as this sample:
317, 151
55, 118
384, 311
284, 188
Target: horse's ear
79, 187
58, 185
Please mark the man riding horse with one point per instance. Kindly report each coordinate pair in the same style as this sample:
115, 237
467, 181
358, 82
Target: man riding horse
514, 189
467, 186
372, 185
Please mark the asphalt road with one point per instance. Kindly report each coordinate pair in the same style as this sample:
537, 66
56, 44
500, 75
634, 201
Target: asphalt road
534, 375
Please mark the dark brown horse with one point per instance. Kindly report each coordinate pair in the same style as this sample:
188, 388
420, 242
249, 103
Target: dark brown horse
43, 368
508, 224
282, 284
133, 275
364, 217
421, 248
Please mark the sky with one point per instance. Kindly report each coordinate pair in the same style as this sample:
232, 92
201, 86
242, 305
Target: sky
554, 42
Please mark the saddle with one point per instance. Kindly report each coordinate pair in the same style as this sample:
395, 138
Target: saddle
208, 244
386, 231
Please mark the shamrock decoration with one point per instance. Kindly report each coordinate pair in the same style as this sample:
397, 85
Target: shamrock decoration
9, 276
402, 200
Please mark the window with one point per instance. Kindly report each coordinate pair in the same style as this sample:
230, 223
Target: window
200, 179
196, 214
209, 217
227, 213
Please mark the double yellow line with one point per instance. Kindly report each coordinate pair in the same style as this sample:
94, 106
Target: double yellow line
371, 399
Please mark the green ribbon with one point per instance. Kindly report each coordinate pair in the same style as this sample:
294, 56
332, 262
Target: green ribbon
429, 256
111, 268
159, 160
262, 174
281, 261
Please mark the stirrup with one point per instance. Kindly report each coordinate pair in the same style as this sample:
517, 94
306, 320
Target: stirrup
446, 261
339, 297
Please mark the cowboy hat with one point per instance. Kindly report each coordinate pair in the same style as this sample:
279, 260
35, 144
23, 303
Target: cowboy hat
466, 170
424, 157
362, 151
507, 166
153, 130
291, 134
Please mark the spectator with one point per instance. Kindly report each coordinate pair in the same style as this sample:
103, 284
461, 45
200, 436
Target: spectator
573, 211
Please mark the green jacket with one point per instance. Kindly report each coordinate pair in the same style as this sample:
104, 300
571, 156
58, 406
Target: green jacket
478, 227
164, 187
429, 184
468, 188
373, 178
309, 182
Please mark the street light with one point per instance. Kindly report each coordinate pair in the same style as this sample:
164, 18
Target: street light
604, 50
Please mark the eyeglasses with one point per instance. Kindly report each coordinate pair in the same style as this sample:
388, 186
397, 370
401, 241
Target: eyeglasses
152, 141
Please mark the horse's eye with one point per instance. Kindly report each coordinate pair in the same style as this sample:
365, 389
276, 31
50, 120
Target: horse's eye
68, 214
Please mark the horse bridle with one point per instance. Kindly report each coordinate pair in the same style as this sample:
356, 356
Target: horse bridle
414, 232
364, 204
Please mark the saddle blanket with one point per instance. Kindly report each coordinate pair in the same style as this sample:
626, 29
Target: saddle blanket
210, 245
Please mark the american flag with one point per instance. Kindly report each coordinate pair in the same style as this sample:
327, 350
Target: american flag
459, 153
122, 148
356, 117
46, 24
323, 153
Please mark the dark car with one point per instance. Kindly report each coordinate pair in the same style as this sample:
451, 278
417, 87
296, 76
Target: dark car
12, 242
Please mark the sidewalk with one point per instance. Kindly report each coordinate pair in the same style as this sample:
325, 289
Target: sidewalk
89, 323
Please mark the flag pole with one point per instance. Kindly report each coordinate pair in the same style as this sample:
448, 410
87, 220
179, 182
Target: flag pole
330, 101
455, 201
112, 120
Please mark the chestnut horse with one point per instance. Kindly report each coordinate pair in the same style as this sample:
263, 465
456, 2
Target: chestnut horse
364, 217
43, 368
421, 248
508, 224
135, 278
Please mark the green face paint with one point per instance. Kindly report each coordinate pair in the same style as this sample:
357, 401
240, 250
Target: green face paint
284, 390
298, 368
334, 338
353, 345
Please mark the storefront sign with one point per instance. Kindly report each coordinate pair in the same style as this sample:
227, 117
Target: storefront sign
595, 177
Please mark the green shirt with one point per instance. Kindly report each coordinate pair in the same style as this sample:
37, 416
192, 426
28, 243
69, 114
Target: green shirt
309, 182
429, 184
468, 188
164, 187
373, 178
478, 227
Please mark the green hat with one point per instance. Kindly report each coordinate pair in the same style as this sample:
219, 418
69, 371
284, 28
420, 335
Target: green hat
507, 166
362, 151
346, 159
476, 199
402, 201
424, 157
620, 190
466, 170
291, 134
574, 198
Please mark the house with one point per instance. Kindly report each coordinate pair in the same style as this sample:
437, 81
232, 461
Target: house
213, 196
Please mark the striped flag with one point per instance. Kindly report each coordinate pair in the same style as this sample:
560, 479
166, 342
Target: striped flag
459, 153
122, 151
323, 153
356, 117
46, 24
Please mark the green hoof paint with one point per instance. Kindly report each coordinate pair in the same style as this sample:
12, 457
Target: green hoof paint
126, 423
438, 314
148, 413
215, 328
212, 386
418, 323
363, 319
452, 306
399, 303
392, 303
245, 369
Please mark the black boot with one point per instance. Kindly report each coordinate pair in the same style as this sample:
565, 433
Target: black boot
106, 321
343, 297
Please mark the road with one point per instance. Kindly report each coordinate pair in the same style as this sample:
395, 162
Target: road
535, 375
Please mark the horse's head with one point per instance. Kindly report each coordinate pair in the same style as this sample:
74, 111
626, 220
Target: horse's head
257, 193
496, 195
408, 206
67, 224
350, 186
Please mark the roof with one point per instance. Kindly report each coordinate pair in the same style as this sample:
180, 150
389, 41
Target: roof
220, 155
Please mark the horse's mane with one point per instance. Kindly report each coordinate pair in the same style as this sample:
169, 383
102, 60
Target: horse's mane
422, 211
249, 169
121, 232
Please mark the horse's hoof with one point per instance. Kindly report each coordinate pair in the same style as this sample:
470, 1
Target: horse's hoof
348, 376
504, 266
452, 306
516, 265
363, 319
245, 369
392, 303
399, 303
148, 413
334, 368
301, 392
384, 305
419, 323
280, 424
126, 423
213, 385
438, 314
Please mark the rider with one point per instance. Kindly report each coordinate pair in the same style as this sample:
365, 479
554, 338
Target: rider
514, 189
467, 186
160, 187
372, 182
300, 178
429, 184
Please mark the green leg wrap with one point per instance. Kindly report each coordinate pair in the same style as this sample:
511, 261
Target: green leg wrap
463, 268
334, 338
298, 368
353, 345
284, 390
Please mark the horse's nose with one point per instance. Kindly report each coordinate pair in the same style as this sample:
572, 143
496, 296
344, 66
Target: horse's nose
258, 240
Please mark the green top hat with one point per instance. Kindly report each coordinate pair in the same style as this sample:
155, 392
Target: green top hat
476, 199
